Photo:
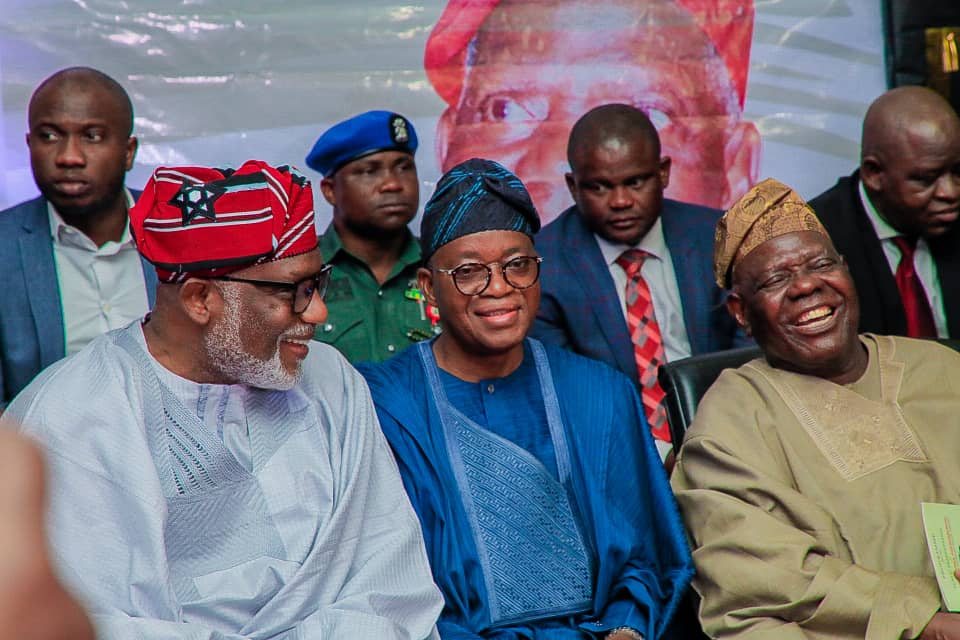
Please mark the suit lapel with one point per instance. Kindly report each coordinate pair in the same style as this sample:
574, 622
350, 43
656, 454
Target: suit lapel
891, 305
589, 268
43, 290
691, 272
946, 254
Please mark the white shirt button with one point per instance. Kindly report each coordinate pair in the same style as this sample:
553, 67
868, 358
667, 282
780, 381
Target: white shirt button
380, 293
490, 388
391, 348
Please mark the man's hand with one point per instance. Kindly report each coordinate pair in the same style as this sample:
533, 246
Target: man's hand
943, 626
33, 604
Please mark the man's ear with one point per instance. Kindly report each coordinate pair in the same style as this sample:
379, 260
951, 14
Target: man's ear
130, 153
741, 157
664, 171
444, 130
425, 284
201, 300
571, 185
871, 173
737, 309
326, 188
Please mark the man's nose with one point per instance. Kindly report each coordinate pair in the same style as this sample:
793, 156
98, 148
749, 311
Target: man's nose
391, 182
70, 152
316, 312
620, 197
948, 187
498, 283
544, 155
803, 283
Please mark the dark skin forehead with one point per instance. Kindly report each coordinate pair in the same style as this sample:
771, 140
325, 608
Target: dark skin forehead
610, 122
82, 79
902, 113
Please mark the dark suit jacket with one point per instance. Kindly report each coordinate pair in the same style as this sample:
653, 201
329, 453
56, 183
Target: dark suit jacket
580, 306
31, 316
881, 310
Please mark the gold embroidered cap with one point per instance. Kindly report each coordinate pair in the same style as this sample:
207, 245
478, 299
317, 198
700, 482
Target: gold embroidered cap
768, 210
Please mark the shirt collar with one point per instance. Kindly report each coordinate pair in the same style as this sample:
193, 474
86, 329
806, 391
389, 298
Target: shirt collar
882, 228
58, 226
331, 245
652, 243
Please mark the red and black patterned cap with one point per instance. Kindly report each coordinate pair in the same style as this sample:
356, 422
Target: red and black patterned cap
199, 221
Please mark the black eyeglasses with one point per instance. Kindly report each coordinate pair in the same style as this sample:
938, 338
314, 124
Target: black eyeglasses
473, 278
303, 290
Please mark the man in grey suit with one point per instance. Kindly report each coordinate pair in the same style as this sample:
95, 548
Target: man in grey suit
71, 269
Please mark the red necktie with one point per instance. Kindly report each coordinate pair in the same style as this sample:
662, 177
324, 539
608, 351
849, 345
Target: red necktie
919, 316
647, 341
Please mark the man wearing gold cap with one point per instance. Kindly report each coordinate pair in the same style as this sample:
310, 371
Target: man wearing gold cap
801, 479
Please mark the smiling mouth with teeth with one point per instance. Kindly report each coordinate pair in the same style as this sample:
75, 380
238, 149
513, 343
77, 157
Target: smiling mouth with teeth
815, 314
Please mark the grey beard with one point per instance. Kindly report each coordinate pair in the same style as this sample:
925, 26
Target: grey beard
225, 352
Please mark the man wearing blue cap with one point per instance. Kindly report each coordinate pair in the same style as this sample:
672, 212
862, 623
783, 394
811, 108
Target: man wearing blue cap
544, 506
370, 179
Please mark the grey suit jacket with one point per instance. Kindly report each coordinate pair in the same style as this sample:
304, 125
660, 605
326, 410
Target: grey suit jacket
31, 315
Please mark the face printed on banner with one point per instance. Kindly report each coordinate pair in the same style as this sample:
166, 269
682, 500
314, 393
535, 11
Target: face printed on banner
534, 68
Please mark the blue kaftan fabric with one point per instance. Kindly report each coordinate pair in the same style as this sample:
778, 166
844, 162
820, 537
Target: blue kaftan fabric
511, 407
615, 483
533, 557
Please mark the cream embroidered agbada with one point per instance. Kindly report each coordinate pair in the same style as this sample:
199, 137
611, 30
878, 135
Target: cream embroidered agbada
803, 496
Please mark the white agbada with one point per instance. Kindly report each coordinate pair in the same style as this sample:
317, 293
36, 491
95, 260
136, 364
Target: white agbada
180, 510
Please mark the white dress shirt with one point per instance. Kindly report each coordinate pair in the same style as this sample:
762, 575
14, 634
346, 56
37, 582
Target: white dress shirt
658, 272
101, 288
923, 262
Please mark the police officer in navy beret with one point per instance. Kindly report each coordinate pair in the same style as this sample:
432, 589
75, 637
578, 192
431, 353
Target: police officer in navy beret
370, 179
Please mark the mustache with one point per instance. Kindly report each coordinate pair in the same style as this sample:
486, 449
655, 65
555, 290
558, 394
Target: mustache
305, 332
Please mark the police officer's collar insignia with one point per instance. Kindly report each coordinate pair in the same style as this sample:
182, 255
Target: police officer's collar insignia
398, 130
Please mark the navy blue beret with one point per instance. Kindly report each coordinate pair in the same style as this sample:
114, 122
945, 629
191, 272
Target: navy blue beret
359, 136
476, 195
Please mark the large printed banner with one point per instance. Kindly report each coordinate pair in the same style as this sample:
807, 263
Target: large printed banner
739, 89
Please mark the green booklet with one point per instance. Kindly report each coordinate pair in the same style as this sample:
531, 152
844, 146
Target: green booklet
941, 522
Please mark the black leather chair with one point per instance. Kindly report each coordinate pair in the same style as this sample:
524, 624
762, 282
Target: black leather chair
685, 381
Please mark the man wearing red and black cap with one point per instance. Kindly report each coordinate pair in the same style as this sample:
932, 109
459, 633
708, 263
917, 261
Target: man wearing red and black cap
370, 179
215, 473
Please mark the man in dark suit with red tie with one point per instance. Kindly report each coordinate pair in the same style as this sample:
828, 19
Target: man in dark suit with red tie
626, 272
894, 219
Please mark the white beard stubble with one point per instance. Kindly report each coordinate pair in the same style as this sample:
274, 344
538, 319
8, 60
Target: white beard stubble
225, 352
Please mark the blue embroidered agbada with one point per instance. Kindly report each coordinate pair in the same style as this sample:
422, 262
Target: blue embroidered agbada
544, 505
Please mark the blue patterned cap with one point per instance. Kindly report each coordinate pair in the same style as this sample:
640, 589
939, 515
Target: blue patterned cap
476, 195
360, 136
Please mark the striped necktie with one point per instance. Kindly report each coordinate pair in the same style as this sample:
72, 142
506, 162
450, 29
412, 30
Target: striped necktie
647, 341
915, 304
